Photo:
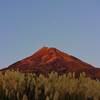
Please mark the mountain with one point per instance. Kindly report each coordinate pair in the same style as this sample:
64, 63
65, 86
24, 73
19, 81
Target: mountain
47, 59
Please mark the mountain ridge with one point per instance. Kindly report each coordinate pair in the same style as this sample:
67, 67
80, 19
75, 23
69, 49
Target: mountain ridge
48, 59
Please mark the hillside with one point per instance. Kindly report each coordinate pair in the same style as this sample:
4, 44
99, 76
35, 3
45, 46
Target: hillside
47, 59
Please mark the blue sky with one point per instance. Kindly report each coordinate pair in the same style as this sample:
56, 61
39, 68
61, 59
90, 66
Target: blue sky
69, 25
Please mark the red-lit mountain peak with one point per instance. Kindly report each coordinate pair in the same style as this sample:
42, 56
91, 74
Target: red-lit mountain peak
51, 59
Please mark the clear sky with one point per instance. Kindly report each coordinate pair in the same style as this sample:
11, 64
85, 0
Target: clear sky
69, 25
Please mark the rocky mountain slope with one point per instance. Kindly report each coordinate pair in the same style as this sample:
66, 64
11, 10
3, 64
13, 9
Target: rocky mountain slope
47, 59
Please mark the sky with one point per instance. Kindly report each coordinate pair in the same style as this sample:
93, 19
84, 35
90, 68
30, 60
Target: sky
72, 26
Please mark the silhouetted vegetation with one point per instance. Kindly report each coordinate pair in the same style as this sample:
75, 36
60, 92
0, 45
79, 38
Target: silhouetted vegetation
20, 86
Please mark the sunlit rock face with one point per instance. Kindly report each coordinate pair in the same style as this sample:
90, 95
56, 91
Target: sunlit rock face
47, 59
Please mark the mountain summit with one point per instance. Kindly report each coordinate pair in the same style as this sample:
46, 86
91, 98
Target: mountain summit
47, 59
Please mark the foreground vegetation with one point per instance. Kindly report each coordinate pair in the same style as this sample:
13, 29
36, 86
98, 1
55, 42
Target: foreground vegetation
18, 86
